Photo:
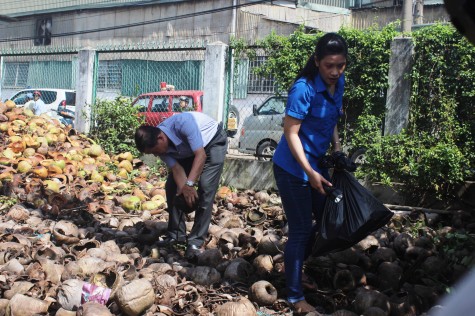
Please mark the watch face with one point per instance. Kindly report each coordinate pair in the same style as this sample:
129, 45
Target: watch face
462, 15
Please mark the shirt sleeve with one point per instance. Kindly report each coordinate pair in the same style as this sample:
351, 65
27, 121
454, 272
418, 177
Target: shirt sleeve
298, 101
169, 161
191, 131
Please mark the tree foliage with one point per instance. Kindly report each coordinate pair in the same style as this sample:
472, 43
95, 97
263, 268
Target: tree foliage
114, 125
436, 151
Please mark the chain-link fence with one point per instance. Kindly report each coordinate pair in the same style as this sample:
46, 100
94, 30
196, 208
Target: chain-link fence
258, 109
54, 71
162, 82
165, 82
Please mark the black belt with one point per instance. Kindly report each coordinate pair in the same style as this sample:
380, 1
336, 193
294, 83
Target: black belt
217, 135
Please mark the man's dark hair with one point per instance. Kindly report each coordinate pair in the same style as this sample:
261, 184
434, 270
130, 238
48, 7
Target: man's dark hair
146, 137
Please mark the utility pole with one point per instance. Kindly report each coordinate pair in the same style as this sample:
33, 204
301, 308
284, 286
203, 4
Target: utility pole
407, 16
418, 12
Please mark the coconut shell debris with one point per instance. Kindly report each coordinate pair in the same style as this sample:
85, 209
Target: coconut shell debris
77, 220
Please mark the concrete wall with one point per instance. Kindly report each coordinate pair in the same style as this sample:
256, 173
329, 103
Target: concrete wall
364, 18
172, 30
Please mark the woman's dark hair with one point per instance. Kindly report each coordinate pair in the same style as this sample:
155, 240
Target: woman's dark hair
146, 137
328, 44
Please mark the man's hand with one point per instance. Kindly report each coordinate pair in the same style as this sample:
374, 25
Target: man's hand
190, 195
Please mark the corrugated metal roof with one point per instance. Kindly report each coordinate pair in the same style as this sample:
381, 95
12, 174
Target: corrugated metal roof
32, 7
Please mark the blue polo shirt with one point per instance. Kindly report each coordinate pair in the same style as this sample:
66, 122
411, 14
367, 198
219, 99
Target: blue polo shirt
319, 111
186, 132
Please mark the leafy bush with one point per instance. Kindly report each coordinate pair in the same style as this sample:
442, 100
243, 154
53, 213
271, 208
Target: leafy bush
114, 125
437, 150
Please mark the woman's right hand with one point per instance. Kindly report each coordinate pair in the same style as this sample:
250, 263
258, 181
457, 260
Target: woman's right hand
317, 181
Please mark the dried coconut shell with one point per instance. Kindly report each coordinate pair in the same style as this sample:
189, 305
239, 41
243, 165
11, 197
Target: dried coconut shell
135, 297
263, 293
18, 213
24, 305
69, 294
242, 307
93, 309
204, 275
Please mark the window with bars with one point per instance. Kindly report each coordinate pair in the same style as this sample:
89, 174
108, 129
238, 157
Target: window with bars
109, 75
256, 83
15, 75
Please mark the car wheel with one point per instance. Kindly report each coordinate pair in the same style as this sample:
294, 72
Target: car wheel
358, 157
266, 150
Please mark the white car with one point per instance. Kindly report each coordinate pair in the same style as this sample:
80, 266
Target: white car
53, 98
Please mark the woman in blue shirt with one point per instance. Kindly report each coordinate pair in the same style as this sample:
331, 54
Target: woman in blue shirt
313, 108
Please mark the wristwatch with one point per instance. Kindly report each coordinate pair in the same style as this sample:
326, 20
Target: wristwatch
190, 183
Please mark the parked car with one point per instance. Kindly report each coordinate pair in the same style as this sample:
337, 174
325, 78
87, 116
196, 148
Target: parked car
157, 106
53, 98
261, 131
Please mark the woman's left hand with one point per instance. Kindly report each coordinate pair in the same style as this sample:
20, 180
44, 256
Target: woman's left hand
317, 181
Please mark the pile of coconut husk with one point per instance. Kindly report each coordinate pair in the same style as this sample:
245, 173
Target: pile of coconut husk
79, 227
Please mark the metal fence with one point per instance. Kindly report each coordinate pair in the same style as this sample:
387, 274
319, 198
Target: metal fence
250, 98
58, 71
160, 78
258, 110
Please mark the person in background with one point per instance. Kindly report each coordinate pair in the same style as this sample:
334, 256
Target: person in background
38, 106
184, 104
29, 101
193, 146
314, 105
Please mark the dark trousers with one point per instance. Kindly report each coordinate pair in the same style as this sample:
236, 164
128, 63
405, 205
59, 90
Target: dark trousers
207, 187
301, 204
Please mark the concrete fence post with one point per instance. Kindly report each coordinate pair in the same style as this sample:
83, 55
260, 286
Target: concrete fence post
399, 90
214, 88
85, 89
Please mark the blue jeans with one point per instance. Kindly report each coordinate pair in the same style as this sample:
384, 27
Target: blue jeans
301, 203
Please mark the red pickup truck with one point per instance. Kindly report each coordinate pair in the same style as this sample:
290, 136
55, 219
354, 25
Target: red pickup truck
157, 106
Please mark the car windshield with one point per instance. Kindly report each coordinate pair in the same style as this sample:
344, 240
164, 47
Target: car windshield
160, 104
273, 106
142, 103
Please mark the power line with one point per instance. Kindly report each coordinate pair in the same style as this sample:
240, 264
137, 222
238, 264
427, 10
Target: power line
111, 28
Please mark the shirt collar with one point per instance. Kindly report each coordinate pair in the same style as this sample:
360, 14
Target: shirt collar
320, 85
171, 137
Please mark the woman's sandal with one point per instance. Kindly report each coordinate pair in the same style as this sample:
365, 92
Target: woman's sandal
303, 308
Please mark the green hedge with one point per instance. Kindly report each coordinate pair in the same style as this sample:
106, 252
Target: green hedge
436, 151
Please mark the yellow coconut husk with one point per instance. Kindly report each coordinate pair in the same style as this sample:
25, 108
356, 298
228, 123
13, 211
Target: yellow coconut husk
51, 186
160, 199
4, 161
127, 165
40, 171
54, 169
6, 176
24, 166
123, 174
95, 150
3, 126
10, 104
125, 156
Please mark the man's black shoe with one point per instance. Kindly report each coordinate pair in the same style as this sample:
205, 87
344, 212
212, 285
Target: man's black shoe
168, 242
192, 251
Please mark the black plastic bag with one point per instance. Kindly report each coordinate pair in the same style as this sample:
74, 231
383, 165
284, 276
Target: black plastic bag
346, 223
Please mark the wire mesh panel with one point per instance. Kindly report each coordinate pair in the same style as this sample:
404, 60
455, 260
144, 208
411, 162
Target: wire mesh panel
259, 110
57, 71
161, 82
137, 72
